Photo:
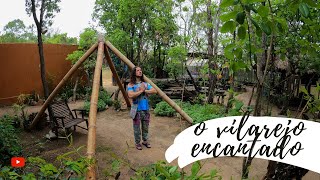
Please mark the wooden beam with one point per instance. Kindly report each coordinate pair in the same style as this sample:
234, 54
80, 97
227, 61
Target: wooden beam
62, 83
114, 72
160, 92
91, 149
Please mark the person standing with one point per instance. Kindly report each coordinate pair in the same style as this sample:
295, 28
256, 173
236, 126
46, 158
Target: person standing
138, 91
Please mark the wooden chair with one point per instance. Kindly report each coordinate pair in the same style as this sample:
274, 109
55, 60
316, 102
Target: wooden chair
63, 117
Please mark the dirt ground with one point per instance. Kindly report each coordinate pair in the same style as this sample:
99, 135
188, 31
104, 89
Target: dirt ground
115, 141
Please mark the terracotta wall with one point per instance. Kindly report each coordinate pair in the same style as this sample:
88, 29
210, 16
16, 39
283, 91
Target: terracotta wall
20, 68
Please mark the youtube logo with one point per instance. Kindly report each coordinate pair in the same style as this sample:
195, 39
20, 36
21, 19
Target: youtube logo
18, 162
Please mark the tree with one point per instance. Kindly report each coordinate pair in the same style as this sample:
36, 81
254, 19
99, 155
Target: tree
16, 27
136, 27
87, 38
46, 10
60, 39
16, 31
266, 30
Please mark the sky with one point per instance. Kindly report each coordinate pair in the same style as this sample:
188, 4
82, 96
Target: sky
74, 16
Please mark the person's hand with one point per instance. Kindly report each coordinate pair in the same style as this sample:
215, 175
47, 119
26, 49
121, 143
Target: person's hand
142, 88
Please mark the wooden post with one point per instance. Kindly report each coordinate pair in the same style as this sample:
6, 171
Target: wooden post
61, 84
91, 174
114, 72
161, 93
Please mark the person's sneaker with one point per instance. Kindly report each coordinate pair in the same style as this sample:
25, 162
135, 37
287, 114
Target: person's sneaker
146, 144
138, 146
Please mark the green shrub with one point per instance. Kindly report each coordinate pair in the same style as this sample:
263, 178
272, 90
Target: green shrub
86, 106
9, 141
199, 112
66, 92
105, 97
117, 105
38, 168
162, 170
100, 106
164, 109
205, 112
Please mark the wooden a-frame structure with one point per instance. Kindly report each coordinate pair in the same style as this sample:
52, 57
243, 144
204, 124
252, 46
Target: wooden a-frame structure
102, 47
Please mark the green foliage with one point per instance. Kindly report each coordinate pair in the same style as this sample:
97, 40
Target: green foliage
16, 31
240, 17
75, 56
86, 106
66, 92
104, 99
164, 109
47, 10
265, 26
205, 112
229, 15
87, 38
263, 11
229, 26
304, 10
312, 104
16, 27
60, 39
143, 30
200, 112
117, 105
9, 141
38, 168
162, 170
242, 32
20, 113
236, 110
177, 56
101, 105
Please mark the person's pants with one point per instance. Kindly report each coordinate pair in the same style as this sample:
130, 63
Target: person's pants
143, 118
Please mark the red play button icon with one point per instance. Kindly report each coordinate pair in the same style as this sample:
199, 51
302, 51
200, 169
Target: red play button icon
18, 162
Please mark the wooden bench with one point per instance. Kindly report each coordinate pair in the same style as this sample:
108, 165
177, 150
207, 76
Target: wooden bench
63, 117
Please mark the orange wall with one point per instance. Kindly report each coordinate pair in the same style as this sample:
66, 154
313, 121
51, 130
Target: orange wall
20, 68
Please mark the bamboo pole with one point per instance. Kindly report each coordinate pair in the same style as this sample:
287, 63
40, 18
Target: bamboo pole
160, 92
93, 112
114, 72
61, 84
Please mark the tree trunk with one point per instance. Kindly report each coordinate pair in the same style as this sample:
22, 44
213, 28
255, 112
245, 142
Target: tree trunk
101, 83
75, 89
154, 57
249, 103
231, 96
245, 167
212, 78
42, 65
257, 108
139, 49
39, 25
272, 165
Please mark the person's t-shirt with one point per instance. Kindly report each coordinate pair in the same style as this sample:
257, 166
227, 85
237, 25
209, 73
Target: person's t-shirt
141, 100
